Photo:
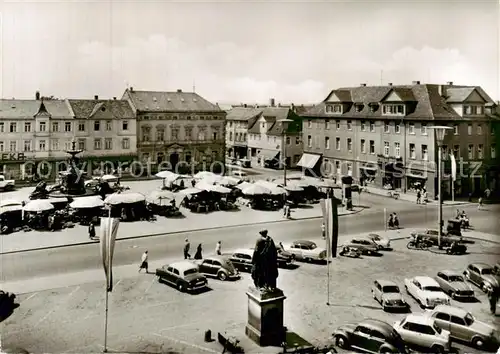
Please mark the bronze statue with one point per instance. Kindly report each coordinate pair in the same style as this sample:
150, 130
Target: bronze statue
265, 263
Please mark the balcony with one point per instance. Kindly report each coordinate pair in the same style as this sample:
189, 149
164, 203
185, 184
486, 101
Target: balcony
181, 142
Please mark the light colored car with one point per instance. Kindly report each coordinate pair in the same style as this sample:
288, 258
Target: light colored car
383, 242
365, 245
483, 275
6, 184
463, 326
426, 291
453, 283
387, 293
306, 251
421, 332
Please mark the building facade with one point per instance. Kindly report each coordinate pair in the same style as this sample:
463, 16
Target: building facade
382, 135
238, 121
267, 143
178, 130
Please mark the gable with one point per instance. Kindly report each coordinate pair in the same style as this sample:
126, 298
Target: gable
100, 111
392, 97
475, 97
333, 98
42, 111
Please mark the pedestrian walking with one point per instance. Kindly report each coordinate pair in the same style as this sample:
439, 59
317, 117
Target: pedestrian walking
419, 196
198, 255
395, 221
390, 222
285, 209
493, 299
187, 246
144, 262
480, 203
218, 248
426, 197
323, 230
91, 230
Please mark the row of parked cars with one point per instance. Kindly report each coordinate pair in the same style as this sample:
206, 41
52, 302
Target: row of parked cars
434, 329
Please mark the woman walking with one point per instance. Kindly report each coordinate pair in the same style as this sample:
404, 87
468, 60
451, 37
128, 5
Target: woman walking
198, 255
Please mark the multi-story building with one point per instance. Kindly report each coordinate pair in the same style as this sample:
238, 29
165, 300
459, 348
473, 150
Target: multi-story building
382, 135
238, 120
266, 138
180, 130
106, 132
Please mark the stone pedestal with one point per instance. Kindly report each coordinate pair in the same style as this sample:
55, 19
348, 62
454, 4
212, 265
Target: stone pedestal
265, 317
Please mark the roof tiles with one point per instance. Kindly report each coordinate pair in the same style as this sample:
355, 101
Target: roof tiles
162, 101
27, 109
84, 109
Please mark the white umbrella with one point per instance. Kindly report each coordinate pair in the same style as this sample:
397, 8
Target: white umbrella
168, 175
274, 189
38, 205
7, 208
243, 185
189, 191
9, 202
293, 188
204, 174
157, 196
89, 202
109, 178
220, 189
255, 189
124, 198
228, 181
212, 187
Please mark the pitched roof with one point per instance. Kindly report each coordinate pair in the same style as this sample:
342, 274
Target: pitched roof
27, 109
84, 109
243, 113
458, 94
162, 101
273, 115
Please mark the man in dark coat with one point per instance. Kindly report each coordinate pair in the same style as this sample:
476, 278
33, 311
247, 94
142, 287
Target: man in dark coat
265, 262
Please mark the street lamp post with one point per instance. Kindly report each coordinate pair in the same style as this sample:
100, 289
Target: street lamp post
284, 126
440, 132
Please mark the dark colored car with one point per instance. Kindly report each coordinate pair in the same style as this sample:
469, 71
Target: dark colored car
433, 235
242, 260
482, 275
218, 267
285, 259
183, 275
453, 284
371, 336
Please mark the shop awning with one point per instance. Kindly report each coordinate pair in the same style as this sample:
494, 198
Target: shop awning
369, 168
308, 160
411, 175
269, 154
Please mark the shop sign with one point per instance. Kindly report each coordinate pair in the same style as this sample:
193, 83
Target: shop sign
13, 156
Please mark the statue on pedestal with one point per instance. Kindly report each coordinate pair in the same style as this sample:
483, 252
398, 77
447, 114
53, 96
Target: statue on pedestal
265, 263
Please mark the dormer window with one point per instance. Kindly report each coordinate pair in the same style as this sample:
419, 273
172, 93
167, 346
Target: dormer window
373, 107
393, 109
474, 110
359, 107
334, 108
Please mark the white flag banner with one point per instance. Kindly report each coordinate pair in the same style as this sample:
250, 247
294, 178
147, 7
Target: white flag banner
453, 168
109, 229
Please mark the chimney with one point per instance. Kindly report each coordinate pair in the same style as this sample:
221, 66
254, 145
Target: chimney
271, 102
415, 82
390, 84
245, 105
131, 89
293, 108
37, 95
114, 98
96, 97
449, 83
279, 104
179, 90
362, 85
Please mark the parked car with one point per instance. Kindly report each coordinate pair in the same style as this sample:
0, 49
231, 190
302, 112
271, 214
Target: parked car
387, 293
453, 283
463, 326
496, 269
307, 251
433, 236
218, 267
426, 291
384, 243
421, 332
183, 275
372, 336
242, 259
285, 259
482, 275
366, 246
7, 184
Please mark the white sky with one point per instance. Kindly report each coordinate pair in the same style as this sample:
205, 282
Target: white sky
244, 51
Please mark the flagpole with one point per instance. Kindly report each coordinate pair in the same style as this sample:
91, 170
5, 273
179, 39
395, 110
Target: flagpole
107, 292
452, 189
385, 220
328, 247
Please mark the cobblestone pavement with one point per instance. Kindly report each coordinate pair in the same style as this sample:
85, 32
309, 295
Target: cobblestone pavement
146, 316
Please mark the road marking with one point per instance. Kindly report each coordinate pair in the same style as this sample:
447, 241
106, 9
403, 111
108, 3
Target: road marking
29, 297
53, 310
199, 347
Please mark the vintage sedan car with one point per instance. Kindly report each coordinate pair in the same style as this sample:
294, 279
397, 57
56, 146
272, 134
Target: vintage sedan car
433, 236
463, 326
218, 267
242, 259
365, 245
306, 251
285, 259
482, 275
387, 293
371, 336
453, 283
183, 275
420, 332
426, 291
384, 243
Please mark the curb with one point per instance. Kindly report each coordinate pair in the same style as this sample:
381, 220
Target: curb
85, 243
465, 237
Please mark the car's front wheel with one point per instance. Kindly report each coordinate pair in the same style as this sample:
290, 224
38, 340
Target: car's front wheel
478, 342
222, 276
181, 287
341, 342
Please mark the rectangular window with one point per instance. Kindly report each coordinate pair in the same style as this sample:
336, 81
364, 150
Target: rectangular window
55, 126
97, 125
424, 151
67, 126
125, 125
41, 145
338, 168
480, 151
349, 125
468, 109
288, 140
108, 143
82, 144
125, 143
397, 149
386, 127
327, 143
479, 129
470, 151
27, 145
413, 153
456, 151
469, 129
363, 146
327, 124
397, 128
81, 126
97, 144
423, 129
411, 128
13, 146
372, 126
55, 145
309, 123
349, 144
13, 127
455, 129
67, 145
109, 125
309, 141
27, 127
297, 140
2, 127
363, 126
337, 143
372, 147
386, 148
337, 124
493, 151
